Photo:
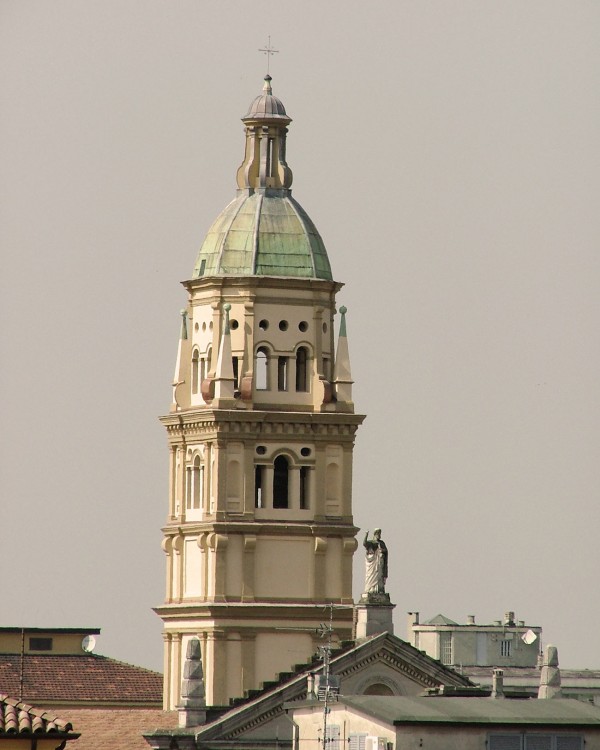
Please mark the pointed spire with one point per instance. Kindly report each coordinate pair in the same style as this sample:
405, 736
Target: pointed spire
181, 389
224, 377
183, 335
343, 374
192, 709
550, 675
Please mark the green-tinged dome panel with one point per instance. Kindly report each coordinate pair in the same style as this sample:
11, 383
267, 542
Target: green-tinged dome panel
263, 235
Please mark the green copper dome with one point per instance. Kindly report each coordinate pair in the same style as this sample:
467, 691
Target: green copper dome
264, 231
263, 235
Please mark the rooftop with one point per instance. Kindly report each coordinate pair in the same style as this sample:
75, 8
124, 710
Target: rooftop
443, 710
51, 679
18, 718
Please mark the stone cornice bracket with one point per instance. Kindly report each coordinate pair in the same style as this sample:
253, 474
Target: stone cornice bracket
177, 544
349, 545
320, 545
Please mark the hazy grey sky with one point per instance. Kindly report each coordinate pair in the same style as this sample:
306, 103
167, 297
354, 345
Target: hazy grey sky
448, 153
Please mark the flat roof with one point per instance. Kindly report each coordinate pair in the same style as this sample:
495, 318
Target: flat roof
400, 710
65, 631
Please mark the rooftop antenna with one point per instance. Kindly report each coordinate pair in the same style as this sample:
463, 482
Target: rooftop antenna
268, 51
325, 630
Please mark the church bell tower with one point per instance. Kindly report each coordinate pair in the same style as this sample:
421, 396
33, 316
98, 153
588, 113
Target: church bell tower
259, 537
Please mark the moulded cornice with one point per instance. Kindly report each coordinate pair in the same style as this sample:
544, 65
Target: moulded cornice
265, 528
249, 284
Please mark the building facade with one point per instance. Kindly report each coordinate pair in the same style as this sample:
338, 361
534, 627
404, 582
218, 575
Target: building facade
259, 537
504, 643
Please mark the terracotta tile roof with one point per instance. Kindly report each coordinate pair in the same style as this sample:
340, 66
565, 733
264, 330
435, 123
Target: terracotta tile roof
118, 728
50, 679
17, 717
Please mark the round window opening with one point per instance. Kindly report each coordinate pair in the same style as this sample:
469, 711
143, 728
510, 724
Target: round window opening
305, 452
303, 326
210, 325
233, 324
204, 326
324, 327
263, 325
261, 450
196, 327
283, 325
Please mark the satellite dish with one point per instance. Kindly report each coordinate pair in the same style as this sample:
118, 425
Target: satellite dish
88, 644
529, 637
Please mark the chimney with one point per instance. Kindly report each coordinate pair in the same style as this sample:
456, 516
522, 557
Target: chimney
509, 619
498, 683
470, 619
411, 634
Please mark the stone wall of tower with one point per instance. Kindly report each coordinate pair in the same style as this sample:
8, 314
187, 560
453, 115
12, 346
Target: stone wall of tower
253, 560
259, 536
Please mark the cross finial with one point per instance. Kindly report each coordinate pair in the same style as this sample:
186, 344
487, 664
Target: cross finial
268, 51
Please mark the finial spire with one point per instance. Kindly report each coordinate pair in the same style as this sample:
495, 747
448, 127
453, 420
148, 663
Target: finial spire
184, 334
268, 51
342, 373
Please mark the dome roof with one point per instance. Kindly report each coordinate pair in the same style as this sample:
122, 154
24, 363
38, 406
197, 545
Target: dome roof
262, 235
266, 106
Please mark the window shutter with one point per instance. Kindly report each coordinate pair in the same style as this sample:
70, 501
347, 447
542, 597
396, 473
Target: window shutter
505, 742
569, 742
358, 742
538, 742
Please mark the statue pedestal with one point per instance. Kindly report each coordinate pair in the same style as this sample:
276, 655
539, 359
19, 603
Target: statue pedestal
374, 616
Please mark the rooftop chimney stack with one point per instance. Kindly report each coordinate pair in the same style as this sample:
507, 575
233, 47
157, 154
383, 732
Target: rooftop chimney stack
498, 683
509, 619
470, 619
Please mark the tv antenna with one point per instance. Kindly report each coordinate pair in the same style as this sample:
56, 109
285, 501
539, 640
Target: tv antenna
325, 630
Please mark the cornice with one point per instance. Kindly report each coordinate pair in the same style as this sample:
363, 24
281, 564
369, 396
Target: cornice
238, 612
258, 424
263, 528
253, 284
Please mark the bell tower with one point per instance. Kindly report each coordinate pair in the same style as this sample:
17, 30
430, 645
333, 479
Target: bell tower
259, 537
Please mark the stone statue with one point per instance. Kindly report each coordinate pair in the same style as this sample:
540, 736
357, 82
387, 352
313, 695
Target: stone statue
376, 565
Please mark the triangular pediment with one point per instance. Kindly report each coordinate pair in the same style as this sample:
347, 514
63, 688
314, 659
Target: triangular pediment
382, 663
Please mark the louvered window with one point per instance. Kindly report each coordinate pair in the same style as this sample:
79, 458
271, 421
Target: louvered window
332, 738
505, 742
535, 742
569, 742
446, 648
357, 741
538, 742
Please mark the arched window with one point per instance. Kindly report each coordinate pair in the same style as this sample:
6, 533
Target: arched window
301, 369
261, 369
281, 482
378, 688
203, 368
282, 373
259, 471
235, 361
304, 496
197, 482
195, 371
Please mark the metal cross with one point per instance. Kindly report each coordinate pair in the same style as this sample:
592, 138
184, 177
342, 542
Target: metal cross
268, 51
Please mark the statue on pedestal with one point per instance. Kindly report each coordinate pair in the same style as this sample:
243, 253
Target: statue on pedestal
376, 567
